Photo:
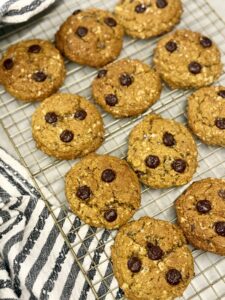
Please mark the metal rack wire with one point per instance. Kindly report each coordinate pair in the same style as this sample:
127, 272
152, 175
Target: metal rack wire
209, 282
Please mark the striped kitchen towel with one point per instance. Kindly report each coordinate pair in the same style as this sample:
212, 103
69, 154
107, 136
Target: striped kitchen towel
17, 11
35, 261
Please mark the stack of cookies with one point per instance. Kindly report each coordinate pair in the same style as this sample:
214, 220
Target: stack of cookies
151, 259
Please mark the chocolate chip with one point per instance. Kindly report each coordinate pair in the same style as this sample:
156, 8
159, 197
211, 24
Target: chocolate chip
108, 175
80, 114
66, 136
8, 64
125, 79
140, 8
173, 277
81, 31
220, 228
203, 206
134, 264
139, 173
102, 73
76, 12
152, 161
168, 139
195, 68
110, 22
83, 192
221, 193
205, 42
154, 251
221, 93
39, 76
34, 49
171, 46
179, 165
161, 3
111, 100
110, 215
51, 117
220, 123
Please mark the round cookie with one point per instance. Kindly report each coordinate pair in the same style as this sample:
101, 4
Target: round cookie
162, 152
148, 18
206, 114
103, 191
187, 59
67, 126
32, 70
151, 260
92, 37
201, 214
126, 88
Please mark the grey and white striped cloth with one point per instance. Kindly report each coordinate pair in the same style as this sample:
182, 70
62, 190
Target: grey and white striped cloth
17, 11
35, 261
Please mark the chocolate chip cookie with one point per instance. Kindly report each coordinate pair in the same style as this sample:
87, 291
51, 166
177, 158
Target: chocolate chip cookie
92, 37
67, 126
126, 88
148, 18
151, 260
162, 152
187, 59
206, 114
32, 70
201, 214
103, 191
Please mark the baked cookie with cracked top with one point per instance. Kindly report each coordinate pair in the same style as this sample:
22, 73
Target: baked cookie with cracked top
126, 88
186, 59
201, 214
103, 191
148, 18
67, 126
206, 114
162, 152
32, 70
91, 37
151, 260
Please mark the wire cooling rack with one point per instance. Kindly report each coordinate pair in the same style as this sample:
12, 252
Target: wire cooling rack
209, 282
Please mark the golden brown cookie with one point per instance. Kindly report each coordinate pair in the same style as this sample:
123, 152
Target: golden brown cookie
187, 59
201, 214
206, 114
67, 126
151, 260
103, 191
32, 70
148, 18
162, 152
92, 37
126, 88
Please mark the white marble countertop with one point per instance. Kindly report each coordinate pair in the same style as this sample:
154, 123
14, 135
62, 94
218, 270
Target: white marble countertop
218, 5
